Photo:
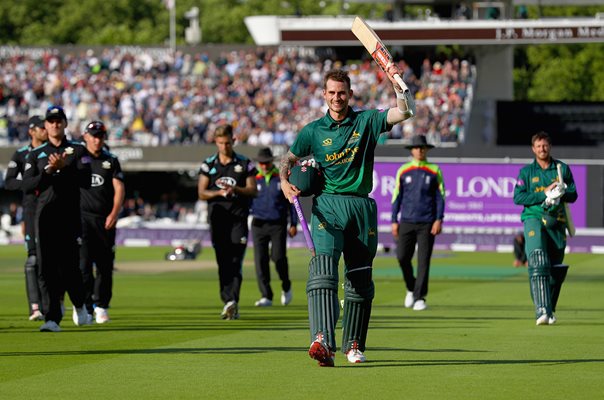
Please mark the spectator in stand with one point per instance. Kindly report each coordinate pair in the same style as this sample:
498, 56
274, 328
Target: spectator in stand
163, 99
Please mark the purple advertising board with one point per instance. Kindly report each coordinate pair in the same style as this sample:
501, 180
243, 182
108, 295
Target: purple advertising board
477, 195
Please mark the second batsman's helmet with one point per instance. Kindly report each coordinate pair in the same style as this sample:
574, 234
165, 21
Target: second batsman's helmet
307, 179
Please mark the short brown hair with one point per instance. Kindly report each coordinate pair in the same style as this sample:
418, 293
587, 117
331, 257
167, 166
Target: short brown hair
337, 75
541, 136
224, 130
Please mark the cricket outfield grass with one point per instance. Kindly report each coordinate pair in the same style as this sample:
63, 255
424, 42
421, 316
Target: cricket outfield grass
477, 339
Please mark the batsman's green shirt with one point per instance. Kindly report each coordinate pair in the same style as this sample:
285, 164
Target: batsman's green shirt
530, 190
344, 150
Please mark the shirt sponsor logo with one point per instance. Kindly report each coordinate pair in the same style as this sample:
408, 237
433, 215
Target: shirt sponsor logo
106, 165
97, 180
343, 156
327, 142
225, 182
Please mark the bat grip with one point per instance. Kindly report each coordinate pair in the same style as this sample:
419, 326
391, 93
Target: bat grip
559, 169
400, 82
309, 243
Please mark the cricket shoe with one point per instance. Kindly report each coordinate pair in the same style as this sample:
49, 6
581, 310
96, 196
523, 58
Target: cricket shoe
80, 316
420, 305
355, 356
409, 300
101, 315
230, 310
263, 302
50, 326
542, 320
36, 315
286, 297
552, 320
320, 352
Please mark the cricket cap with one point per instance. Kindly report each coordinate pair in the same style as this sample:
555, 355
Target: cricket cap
96, 128
54, 113
35, 122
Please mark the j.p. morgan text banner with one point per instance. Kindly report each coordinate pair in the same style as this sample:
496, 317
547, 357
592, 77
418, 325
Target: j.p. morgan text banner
479, 195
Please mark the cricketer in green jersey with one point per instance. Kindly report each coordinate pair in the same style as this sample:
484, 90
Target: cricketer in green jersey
344, 218
541, 193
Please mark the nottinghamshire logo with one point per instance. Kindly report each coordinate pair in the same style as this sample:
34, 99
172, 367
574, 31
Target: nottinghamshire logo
354, 137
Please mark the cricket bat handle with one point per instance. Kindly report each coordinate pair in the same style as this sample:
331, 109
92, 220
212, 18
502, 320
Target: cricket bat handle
400, 82
309, 243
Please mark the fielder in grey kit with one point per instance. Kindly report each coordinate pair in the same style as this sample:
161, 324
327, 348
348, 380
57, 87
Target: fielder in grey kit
344, 218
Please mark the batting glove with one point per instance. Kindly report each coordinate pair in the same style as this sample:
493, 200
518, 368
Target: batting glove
549, 202
555, 193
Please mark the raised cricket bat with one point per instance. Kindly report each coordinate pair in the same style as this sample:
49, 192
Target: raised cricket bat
570, 225
375, 47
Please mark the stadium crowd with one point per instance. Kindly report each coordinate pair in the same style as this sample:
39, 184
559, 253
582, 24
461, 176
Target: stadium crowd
155, 98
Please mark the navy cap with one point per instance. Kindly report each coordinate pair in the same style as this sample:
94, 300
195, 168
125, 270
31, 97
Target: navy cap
35, 122
96, 128
55, 112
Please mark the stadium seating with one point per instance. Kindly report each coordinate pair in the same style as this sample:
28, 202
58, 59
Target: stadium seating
155, 99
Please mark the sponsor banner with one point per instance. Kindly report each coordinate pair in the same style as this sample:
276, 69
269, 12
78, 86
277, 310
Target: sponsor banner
479, 195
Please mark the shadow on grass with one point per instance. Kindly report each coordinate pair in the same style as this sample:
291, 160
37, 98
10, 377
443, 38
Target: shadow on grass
444, 363
383, 363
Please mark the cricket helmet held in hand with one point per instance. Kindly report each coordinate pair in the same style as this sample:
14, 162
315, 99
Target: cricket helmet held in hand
307, 179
